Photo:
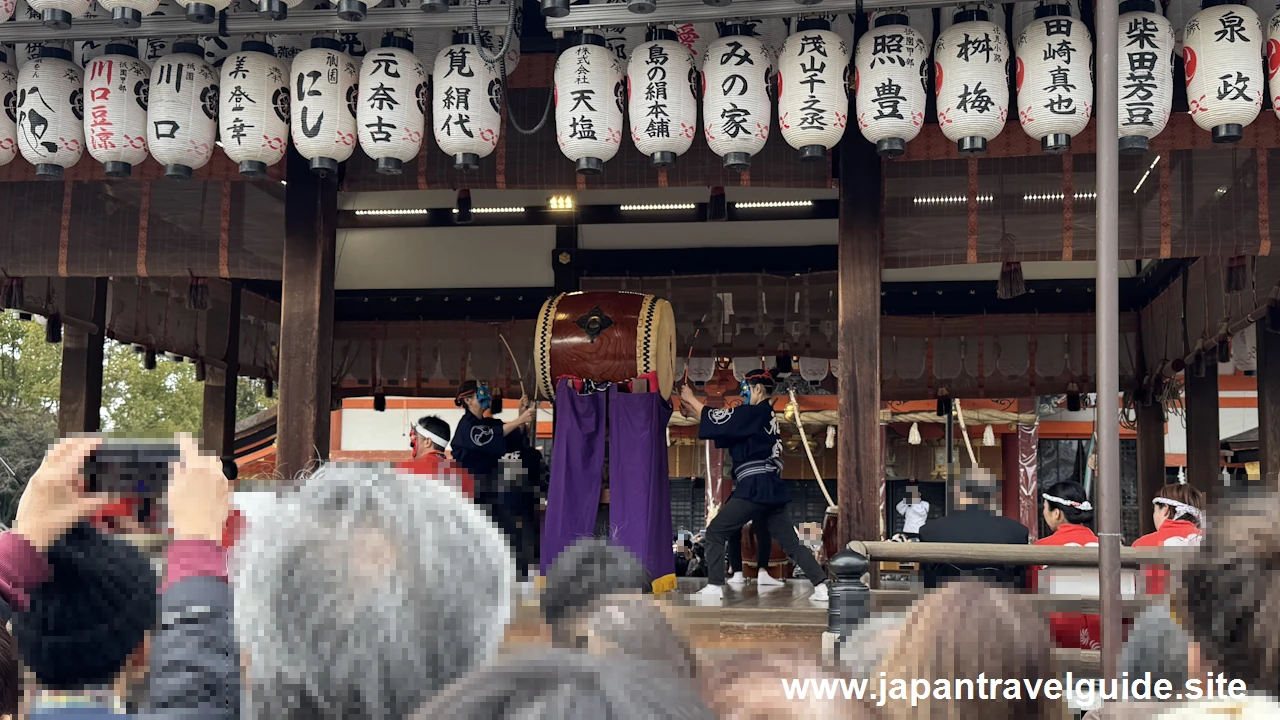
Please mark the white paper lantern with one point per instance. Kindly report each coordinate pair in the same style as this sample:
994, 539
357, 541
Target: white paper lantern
1264, 8
1146, 74
58, 14
116, 91
1025, 12
323, 118
920, 20
697, 37
813, 105
969, 61
216, 49
7, 9
1221, 49
152, 49
891, 71
1054, 81
1178, 12
25, 52
589, 97
772, 33
288, 46
8, 109
50, 109
466, 106
203, 13
129, 13
392, 106
663, 98
996, 14
182, 118
1273, 61
253, 108
86, 50
427, 44
735, 98
277, 9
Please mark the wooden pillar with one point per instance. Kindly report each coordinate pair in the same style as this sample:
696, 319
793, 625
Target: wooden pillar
1204, 447
1009, 476
306, 319
80, 396
860, 463
1151, 461
1269, 405
564, 262
1029, 475
222, 340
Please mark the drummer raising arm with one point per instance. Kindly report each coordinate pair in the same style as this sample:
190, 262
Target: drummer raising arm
750, 433
480, 442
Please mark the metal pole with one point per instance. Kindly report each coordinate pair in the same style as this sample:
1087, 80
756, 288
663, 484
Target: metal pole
1107, 20
951, 450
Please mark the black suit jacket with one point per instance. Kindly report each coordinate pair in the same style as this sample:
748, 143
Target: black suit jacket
975, 526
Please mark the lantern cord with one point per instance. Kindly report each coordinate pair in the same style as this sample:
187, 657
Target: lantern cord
511, 118
501, 60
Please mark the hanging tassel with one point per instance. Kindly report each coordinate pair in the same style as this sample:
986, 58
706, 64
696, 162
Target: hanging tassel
1073, 398
831, 437
669, 444
12, 292
1224, 351
379, 402
1011, 284
53, 329
913, 437
1237, 274
198, 294
988, 437
782, 360
149, 359
201, 371
268, 388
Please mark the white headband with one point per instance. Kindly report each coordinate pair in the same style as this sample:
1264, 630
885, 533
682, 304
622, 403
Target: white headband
1069, 503
1181, 508
439, 441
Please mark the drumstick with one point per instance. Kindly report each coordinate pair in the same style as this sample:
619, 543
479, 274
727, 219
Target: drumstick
695, 338
520, 379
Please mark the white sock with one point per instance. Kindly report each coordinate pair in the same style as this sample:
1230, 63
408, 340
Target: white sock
820, 594
737, 580
711, 591
767, 580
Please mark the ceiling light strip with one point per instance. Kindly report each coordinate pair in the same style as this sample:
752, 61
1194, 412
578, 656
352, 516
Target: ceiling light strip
950, 199
405, 211
770, 205
493, 210
667, 206
1045, 197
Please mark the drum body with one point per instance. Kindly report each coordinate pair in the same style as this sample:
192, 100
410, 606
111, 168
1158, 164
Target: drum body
605, 337
779, 565
831, 533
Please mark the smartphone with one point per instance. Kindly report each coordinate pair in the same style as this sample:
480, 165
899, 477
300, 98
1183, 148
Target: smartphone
130, 468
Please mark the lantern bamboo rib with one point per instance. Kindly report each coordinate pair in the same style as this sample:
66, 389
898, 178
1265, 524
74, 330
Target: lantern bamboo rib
809, 451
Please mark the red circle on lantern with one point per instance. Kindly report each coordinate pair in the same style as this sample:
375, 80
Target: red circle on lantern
937, 79
1189, 63
1021, 72
1273, 57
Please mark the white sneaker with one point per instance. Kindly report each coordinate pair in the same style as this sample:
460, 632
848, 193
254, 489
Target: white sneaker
710, 593
819, 595
737, 581
764, 579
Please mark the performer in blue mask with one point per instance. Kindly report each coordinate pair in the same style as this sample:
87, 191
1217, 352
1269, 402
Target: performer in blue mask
750, 433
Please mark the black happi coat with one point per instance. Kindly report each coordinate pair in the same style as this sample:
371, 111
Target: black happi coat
750, 434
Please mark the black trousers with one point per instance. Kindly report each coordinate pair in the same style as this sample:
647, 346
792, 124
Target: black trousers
734, 514
515, 513
764, 547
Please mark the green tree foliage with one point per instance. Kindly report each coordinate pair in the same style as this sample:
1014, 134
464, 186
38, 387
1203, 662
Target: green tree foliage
25, 435
29, 366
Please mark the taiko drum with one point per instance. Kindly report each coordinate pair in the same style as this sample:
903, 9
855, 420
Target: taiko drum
605, 337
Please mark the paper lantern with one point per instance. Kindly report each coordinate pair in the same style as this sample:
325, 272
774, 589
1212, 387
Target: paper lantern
57, 14
1054, 81
323, 119
276, 9
589, 97
735, 97
288, 46
253, 108
772, 33
970, 80
182, 120
156, 48
1025, 12
1273, 61
9, 110
1146, 74
662, 86
466, 107
427, 44
116, 90
891, 70
6, 10
920, 20
392, 106
813, 106
995, 13
203, 13
697, 37
50, 112
86, 50
1220, 56
129, 13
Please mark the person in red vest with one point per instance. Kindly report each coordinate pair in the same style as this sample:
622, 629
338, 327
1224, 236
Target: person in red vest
1068, 513
1179, 519
429, 439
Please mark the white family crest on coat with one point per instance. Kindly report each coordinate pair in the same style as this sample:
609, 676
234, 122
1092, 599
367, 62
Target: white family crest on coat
481, 434
720, 416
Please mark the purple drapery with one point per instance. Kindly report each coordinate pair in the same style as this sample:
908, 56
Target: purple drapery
577, 466
639, 485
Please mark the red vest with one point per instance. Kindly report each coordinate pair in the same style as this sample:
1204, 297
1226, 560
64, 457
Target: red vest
1070, 630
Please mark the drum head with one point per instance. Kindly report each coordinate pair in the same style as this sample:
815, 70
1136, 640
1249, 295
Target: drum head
661, 336
542, 347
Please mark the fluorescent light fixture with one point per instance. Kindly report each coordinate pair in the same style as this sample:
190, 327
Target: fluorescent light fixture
1045, 197
769, 205
949, 199
493, 210
407, 211
667, 206
560, 202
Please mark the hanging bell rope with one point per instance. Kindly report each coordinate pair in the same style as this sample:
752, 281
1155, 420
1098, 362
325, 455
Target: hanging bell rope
964, 432
804, 440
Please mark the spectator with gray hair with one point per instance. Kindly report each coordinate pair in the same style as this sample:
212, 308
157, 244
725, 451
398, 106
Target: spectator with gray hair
971, 519
368, 592
585, 572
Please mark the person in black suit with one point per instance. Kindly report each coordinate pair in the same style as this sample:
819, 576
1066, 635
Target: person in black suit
972, 521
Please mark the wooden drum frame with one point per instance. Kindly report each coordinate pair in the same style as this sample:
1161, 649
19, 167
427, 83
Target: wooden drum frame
605, 337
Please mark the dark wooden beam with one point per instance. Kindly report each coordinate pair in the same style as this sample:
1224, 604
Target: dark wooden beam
1151, 460
1204, 457
80, 397
1269, 405
220, 385
306, 319
858, 344
564, 259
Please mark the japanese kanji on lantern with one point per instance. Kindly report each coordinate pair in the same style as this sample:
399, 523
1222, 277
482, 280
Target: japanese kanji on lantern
589, 96
50, 112
1146, 74
697, 37
9, 111
813, 107
466, 107
115, 122
1221, 51
323, 118
1054, 81
391, 112
253, 113
58, 14
662, 86
182, 114
735, 97
971, 82
129, 13
891, 71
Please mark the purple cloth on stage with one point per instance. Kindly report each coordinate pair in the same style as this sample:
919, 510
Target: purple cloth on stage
639, 486
577, 468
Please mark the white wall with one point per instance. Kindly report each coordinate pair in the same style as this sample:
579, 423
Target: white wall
368, 429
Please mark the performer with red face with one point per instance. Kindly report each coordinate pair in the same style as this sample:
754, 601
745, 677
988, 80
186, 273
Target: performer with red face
429, 438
